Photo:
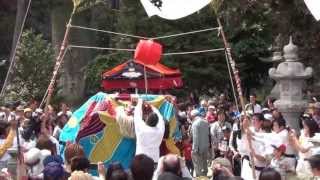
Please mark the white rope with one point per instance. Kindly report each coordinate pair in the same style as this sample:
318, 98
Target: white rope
101, 48
15, 50
186, 33
132, 50
109, 32
193, 52
142, 37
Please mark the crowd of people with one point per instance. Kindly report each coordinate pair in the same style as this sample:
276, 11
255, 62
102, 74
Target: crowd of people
256, 138
217, 140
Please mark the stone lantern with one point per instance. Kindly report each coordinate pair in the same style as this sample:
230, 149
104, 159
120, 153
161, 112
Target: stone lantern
291, 75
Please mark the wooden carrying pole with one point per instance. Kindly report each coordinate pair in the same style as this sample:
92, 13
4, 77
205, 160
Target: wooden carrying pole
59, 60
238, 84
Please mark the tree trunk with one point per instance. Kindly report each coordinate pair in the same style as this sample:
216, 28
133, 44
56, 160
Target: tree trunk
71, 83
21, 10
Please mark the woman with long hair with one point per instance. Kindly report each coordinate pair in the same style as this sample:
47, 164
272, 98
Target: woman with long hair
303, 146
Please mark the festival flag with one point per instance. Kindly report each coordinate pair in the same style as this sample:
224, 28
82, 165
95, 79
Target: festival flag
314, 7
173, 9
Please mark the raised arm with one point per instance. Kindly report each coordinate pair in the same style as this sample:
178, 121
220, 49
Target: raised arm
296, 144
137, 116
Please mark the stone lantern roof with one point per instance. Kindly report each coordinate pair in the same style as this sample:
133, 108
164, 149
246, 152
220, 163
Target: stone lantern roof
291, 51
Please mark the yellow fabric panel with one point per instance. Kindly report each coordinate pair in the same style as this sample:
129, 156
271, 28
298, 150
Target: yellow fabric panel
72, 123
172, 125
158, 101
110, 140
172, 147
8, 142
114, 102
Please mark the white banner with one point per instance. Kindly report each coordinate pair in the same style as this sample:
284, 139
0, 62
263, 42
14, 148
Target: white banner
314, 7
173, 9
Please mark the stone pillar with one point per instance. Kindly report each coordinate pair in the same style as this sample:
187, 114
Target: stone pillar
291, 75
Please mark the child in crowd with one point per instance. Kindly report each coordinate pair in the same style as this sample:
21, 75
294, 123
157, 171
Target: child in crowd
281, 163
187, 149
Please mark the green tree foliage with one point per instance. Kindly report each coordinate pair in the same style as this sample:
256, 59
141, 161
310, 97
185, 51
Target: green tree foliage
248, 27
207, 73
100, 64
251, 27
33, 67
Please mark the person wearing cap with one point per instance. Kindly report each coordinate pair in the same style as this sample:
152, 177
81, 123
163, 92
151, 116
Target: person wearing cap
280, 162
253, 106
216, 132
200, 143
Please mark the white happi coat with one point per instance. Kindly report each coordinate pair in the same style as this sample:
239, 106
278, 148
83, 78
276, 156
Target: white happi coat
148, 138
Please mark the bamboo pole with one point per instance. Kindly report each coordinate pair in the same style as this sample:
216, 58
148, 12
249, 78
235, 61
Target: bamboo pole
145, 79
239, 89
59, 60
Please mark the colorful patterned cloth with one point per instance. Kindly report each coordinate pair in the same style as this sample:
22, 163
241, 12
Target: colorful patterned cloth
94, 126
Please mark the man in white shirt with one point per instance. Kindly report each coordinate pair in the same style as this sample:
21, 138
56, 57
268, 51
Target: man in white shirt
149, 133
253, 107
258, 149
